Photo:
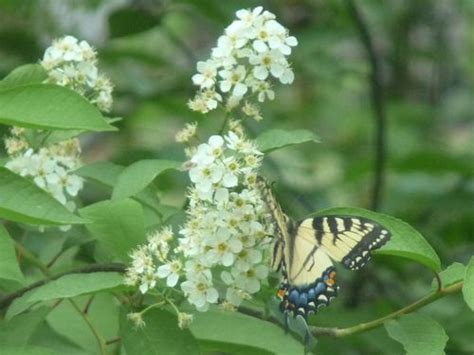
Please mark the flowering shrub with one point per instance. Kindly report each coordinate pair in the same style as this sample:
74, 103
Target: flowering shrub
226, 235
150, 273
72, 64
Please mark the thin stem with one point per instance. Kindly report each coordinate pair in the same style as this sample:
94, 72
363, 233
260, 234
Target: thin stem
342, 332
31, 259
43, 268
408, 309
224, 123
378, 102
112, 341
97, 336
439, 283
88, 304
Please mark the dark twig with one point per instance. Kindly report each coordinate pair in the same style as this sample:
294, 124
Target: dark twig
113, 341
111, 267
88, 304
378, 102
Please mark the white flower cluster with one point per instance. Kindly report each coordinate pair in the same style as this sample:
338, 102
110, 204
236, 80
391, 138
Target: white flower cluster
227, 224
225, 234
252, 50
51, 168
73, 64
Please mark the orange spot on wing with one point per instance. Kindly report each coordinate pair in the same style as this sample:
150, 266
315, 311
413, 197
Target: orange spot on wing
330, 282
281, 294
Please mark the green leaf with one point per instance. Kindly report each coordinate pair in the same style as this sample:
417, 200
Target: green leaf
28, 350
139, 175
49, 106
9, 268
77, 284
19, 330
468, 288
107, 174
405, 242
161, 335
24, 75
118, 226
65, 287
274, 139
22, 201
452, 274
419, 334
235, 328
65, 320
213, 347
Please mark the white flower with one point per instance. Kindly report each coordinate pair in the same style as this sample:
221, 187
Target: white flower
205, 176
247, 258
170, 271
200, 292
250, 280
207, 74
147, 282
234, 78
267, 62
223, 248
253, 48
73, 64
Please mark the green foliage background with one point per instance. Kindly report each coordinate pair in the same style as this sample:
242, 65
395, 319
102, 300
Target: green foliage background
149, 49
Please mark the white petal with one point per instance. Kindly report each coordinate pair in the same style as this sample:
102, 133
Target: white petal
172, 280
163, 271
240, 89
212, 295
260, 46
260, 72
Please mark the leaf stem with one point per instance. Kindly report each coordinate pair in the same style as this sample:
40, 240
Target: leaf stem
30, 257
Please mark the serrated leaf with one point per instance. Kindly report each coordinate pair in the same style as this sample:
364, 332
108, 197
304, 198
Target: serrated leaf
405, 242
419, 334
139, 175
24, 75
468, 288
48, 106
274, 139
161, 335
452, 274
236, 328
22, 201
9, 268
118, 226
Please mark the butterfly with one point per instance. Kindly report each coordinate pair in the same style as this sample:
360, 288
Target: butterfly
304, 252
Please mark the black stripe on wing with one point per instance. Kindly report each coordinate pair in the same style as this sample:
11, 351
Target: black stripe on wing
372, 236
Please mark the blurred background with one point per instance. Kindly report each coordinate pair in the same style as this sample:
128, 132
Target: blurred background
387, 85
